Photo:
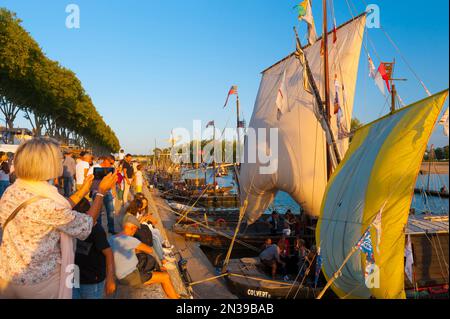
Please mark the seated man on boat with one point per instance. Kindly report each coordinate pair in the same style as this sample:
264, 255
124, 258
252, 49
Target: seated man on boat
267, 244
128, 270
270, 258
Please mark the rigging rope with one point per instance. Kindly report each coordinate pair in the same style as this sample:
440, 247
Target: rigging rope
402, 56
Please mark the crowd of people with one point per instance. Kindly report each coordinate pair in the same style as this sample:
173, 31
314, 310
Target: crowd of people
6, 171
288, 254
53, 244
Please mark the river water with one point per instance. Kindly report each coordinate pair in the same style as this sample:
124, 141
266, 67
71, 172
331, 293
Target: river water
420, 203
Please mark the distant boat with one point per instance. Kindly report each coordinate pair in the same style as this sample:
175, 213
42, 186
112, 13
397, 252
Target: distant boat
10, 139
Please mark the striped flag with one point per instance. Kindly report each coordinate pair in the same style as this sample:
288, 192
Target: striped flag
233, 91
376, 76
241, 124
384, 75
365, 245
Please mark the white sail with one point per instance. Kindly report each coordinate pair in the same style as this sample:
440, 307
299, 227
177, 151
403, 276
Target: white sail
302, 168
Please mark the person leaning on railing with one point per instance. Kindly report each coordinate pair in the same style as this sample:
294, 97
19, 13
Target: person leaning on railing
39, 225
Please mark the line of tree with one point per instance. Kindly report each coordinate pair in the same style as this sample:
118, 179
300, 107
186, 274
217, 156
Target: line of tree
439, 154
51, 96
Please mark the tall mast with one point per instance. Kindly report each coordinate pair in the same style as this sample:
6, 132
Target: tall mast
238, 146
430, 160
327, 81
154, 158
331, 140
214, 157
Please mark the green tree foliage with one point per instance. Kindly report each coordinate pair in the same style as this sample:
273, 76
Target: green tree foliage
439, 154
356, 124
42, 87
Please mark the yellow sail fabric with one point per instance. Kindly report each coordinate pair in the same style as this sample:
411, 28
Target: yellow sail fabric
379, 170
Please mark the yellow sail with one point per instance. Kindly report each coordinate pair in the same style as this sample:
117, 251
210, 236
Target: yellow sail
378, 174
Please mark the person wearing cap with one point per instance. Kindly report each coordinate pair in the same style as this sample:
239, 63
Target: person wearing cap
125, 247
69, 170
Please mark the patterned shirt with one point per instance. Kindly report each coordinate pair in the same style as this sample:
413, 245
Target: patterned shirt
30, 252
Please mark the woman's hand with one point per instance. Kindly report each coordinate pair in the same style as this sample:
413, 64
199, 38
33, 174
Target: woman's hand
86, 187
107, 183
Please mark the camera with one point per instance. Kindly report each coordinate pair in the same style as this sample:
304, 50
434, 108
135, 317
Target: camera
101, 172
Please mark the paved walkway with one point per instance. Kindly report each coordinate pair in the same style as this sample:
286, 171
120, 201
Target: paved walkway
198, 267
149, 292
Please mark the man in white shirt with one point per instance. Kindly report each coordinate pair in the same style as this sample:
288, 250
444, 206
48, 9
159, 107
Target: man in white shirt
82, 168
121, 155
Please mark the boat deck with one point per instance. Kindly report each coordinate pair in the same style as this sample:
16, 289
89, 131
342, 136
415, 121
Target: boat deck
427, 224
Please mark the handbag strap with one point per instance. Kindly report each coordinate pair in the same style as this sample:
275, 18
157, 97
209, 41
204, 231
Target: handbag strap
20, 207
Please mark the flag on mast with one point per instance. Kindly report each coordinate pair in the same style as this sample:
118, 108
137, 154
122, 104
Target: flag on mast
337, 87
233, 91
242, 124
365, 245
384, 75
305, 14
376, 76
282, 103
444, 123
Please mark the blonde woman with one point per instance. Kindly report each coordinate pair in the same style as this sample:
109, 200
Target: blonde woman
39, 225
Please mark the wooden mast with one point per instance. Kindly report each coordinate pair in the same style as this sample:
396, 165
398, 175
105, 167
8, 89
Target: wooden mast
430, 160
214, 157
238, 146
315, 91
327, 82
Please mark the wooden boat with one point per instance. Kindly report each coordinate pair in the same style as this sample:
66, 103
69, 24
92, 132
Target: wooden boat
211, 215
179, 207
247, 278
362, 182
205, 201
252, 235
433, 193
429, 239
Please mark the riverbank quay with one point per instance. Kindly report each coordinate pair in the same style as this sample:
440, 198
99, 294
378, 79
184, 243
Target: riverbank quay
198, 267
435, 168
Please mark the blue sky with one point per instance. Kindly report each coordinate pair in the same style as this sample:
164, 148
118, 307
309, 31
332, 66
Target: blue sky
152, 65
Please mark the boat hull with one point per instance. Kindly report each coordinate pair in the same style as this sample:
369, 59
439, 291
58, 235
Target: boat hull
247, 280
